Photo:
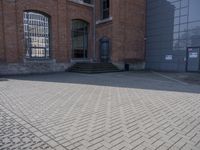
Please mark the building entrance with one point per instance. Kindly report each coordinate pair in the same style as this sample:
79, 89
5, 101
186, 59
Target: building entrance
193, 59
104, 50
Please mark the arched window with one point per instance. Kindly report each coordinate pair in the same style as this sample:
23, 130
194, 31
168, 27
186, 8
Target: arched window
36, 33
79, 39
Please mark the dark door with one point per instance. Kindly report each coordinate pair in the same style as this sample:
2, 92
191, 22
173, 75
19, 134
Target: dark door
193, 59
104, 50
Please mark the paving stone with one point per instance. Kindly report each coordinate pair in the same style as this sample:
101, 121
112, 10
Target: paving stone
119, 111
21, 138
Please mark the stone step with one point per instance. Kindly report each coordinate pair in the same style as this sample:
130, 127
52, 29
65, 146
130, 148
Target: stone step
93, 68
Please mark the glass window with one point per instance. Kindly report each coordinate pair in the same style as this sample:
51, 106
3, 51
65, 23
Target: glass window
87, 1
183, 27
183, 19
79, 39
194, 25
194, 10
36, 33
169, 20
105, 5
176, 36
184, 3
184, 11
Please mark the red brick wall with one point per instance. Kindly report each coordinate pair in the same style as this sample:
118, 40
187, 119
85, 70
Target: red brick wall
127, 29
2, 50
103, 29
97, 7
63, 54
61, 13
84, 13
10, 30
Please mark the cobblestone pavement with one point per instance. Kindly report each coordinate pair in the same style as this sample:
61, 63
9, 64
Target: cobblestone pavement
114, 111
15, 133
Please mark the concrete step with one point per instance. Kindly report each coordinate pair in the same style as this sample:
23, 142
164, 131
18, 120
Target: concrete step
93, 68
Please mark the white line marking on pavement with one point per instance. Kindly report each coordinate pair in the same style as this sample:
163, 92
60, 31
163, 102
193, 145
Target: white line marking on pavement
169, 78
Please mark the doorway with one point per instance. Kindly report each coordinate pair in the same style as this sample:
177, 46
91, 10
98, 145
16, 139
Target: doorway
193, 59
104, 50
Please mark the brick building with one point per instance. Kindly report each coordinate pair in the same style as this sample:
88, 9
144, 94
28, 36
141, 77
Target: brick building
50, 35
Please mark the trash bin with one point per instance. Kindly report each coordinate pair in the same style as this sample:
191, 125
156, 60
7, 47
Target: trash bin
126, 67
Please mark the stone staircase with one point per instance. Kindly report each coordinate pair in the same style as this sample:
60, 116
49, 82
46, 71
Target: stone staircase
92, 68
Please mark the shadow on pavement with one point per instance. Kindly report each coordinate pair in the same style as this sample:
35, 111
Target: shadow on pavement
192, 78
135, 80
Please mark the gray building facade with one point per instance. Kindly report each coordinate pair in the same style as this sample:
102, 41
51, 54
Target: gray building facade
173, 35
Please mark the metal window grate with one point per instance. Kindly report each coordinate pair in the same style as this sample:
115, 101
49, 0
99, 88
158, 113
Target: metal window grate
36, 32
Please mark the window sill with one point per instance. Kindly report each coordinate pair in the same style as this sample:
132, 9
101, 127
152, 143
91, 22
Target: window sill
82, 3
38, 60
76, 60
104, 21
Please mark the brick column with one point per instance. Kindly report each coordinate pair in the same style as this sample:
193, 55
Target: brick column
10, 30
20, 29
62, 51
2, 48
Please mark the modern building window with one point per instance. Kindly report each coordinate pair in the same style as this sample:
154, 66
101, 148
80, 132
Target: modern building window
36, 33
79, 39
105, 12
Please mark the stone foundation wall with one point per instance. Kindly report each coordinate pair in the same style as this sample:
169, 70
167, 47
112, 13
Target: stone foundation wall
132, 66
33, 67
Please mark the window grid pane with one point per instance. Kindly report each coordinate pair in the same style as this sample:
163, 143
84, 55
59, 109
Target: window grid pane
36, 31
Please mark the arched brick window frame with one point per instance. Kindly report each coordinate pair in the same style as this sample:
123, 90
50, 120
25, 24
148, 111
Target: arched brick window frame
37, 34
80, 35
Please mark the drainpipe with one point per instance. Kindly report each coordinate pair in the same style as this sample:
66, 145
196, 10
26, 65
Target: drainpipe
94, 30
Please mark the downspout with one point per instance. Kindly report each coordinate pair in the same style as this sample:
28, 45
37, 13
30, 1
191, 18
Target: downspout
145, 37
94, 31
